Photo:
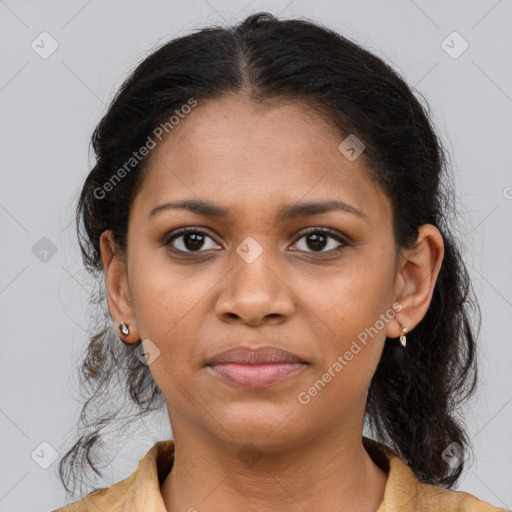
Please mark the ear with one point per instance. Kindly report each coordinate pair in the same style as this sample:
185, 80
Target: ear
417, 273
119, 297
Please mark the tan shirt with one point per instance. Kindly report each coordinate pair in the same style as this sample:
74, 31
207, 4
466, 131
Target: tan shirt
403, 493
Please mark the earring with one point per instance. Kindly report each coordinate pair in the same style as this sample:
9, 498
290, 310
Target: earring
124, 328
403, 339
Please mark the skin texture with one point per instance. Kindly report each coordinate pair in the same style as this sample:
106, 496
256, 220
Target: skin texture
310, 300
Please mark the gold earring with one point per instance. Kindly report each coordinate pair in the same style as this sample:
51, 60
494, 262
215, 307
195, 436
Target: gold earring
403, 339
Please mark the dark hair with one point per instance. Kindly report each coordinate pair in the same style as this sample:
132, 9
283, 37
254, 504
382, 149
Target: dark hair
414, 394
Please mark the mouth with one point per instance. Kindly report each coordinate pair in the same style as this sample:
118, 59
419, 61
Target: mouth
255, 368
254, 376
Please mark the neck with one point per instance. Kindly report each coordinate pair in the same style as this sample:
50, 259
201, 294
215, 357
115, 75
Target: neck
332, 471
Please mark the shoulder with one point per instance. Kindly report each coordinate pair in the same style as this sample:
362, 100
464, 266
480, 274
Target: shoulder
405, 493
139, 491
430, 496
105, 498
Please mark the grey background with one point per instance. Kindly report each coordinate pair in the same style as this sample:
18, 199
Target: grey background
48, 109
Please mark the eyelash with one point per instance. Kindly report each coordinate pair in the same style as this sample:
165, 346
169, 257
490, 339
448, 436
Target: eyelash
327, 231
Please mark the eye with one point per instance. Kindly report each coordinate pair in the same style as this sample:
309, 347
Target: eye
317, 239
189, 240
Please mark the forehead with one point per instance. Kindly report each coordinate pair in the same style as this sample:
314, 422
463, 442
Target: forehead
234, 150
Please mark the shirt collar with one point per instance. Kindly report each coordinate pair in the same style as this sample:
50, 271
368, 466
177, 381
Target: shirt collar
141, 490
402, 487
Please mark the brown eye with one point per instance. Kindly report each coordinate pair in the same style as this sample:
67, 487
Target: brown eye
190, 240
317, 239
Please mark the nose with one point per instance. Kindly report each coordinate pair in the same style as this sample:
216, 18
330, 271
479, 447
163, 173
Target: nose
254, 293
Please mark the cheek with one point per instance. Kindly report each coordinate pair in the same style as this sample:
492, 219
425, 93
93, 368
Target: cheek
163, 301
355, 309
351, 350
354, 297
165, 294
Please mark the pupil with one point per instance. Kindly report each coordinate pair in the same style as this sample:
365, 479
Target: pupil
318, 240
193, 241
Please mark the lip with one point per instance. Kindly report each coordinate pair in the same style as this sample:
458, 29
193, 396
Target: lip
260, 355
255, 368
255, 376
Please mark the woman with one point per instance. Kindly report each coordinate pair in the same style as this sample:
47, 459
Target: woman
269, 212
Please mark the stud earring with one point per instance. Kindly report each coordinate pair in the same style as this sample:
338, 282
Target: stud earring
124, 328
403, 339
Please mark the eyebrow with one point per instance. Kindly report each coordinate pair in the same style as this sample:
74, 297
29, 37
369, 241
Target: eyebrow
207, 209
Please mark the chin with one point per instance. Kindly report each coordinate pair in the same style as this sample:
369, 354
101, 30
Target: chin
266, 431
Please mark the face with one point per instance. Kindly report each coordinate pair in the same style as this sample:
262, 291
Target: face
250, 277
